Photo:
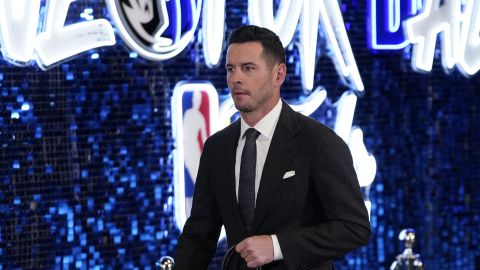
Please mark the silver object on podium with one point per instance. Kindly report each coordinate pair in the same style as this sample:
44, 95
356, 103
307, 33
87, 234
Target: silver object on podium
165, 263
407, 260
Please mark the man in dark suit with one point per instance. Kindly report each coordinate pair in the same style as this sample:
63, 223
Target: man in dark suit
283, 184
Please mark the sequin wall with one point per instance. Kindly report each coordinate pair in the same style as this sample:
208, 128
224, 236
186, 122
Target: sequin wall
86, 166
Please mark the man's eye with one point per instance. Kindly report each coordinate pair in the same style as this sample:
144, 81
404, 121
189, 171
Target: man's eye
249, 68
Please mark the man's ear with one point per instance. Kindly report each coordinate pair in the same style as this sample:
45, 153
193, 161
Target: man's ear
280, 73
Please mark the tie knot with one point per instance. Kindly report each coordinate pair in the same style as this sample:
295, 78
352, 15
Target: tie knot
251, 134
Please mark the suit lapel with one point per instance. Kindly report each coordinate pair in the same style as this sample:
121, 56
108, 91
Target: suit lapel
229, 157
280, 155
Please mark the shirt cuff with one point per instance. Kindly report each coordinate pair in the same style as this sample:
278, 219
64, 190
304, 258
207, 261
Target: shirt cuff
277, 251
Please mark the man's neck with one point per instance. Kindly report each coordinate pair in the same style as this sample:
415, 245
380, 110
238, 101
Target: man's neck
252, 118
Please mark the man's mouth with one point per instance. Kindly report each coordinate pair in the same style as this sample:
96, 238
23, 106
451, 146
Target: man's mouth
239, 93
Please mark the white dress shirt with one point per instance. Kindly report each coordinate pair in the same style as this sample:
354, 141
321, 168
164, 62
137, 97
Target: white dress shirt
266, 127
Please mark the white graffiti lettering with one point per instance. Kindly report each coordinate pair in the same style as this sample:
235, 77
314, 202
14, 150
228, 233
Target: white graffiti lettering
459, 32
56, 42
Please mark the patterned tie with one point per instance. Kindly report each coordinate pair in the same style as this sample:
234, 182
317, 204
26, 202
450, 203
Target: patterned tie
246, 186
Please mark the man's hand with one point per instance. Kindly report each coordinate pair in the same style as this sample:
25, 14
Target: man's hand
256, 250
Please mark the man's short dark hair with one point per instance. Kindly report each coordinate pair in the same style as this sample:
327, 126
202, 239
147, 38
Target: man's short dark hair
272, 46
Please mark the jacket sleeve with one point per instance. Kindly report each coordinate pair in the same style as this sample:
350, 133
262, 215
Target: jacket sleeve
347, 225
198, 241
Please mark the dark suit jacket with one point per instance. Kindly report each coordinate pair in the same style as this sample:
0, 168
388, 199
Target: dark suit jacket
318, 214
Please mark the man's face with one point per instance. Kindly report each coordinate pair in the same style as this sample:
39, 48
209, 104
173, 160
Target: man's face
250, 78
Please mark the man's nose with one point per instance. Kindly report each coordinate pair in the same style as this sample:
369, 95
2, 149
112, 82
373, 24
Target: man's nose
236, 77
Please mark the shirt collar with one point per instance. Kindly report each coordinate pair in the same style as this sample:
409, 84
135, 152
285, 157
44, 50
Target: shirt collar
266, 125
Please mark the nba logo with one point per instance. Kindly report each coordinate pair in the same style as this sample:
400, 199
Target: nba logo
194, 118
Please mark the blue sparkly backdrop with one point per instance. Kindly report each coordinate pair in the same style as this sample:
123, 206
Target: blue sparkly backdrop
86, 168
